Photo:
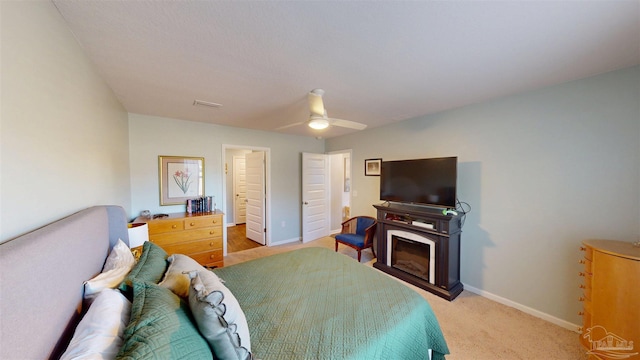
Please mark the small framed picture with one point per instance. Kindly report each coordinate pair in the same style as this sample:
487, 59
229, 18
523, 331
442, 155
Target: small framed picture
181, 178
372, 167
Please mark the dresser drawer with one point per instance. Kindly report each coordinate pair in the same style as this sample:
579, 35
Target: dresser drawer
185, 235
587, 290
201, 222
192, 247
209, 257
586, 324
163, 226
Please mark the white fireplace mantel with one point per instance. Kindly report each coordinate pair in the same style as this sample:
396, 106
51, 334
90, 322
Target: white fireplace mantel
417, 238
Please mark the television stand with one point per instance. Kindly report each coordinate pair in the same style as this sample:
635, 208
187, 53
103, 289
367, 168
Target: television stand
422, 236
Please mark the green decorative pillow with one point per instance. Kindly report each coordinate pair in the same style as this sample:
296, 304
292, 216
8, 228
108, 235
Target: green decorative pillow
220, 318
161, 327
150, 267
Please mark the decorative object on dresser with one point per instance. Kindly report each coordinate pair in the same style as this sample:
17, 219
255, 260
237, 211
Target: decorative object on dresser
611, 299
196, 235
421, 246
138, 235
201, 204
180, 178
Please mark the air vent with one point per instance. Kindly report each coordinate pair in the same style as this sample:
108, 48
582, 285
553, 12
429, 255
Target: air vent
206, 103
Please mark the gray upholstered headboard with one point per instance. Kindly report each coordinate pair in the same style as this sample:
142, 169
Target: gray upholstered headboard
42, 275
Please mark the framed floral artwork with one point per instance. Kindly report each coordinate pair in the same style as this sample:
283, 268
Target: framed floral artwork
181, 178
372, 167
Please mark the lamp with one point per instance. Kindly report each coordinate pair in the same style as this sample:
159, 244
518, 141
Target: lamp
318, 122
138, 234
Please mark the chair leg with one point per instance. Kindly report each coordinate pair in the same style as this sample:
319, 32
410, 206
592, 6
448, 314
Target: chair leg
336, 246
359, 254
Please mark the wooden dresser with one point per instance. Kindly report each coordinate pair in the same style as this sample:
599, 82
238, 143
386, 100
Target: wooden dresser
196, 235
611, 310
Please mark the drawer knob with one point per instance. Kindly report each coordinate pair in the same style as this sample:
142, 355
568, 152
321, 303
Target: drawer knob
582, 286
211, 244
581, 261
214, 221
192, 224
173, 226
581, 298
582, 248
580, 273
212, 256
211, 232
581, 313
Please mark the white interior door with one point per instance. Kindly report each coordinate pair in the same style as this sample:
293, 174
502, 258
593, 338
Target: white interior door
239, 190
315, 196
255, 178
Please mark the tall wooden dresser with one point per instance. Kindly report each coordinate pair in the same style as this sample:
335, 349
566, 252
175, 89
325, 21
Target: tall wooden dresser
196, 235
611, 315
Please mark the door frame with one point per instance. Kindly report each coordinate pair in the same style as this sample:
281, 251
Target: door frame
267, 179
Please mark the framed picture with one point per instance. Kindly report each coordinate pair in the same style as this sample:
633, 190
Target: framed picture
372, 167
181, 178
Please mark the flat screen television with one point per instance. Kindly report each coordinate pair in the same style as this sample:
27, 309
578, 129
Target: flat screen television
429, 182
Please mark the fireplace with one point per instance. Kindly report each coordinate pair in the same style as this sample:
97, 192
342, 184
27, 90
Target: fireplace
412, 253
421, 246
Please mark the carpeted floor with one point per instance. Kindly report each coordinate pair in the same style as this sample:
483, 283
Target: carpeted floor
474, 327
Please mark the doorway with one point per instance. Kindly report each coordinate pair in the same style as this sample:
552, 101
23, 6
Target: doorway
245, 202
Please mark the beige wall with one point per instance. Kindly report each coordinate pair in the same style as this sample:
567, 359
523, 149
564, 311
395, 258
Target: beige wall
151, 136
542, 171
64, 135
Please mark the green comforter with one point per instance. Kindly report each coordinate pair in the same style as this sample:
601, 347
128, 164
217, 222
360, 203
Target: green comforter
313, 303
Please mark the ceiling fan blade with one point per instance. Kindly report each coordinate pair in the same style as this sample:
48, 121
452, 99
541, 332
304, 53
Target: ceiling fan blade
316, 106
348, 124
290, 125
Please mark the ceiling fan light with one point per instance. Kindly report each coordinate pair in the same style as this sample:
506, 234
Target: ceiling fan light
319, 123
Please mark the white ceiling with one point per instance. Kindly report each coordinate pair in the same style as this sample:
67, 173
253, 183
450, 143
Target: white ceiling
379, 62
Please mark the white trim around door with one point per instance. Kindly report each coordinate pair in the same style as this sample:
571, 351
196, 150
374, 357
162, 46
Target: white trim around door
267, 213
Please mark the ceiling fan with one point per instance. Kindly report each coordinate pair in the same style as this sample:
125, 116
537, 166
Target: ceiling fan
318, 119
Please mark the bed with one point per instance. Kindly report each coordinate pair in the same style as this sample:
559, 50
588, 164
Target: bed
311, 303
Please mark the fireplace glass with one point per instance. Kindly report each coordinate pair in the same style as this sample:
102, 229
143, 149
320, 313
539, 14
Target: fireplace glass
410, 256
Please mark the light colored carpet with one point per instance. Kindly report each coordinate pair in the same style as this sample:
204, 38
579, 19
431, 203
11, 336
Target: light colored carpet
473, 326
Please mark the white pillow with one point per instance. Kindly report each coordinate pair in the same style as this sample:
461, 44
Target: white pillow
176, 278
118, 264
220, 319
99, 333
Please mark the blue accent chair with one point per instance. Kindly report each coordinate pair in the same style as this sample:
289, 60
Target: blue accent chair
357, 233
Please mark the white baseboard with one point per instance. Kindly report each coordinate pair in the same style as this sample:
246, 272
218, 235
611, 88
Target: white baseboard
539, 314
287, 241
231, 224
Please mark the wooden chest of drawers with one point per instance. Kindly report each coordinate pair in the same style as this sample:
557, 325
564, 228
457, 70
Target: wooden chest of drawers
611, 299
196, 235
